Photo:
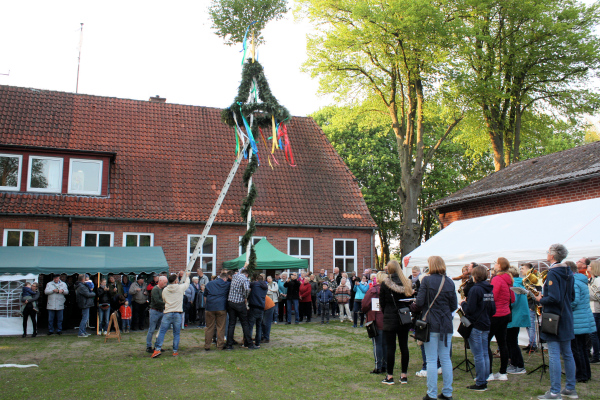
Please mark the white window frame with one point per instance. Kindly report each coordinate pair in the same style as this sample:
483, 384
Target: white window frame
5, 236
310, 258
138, 238
253, 240
112, 237
95, 192
60, 174
345, 257
20, 157
201, 255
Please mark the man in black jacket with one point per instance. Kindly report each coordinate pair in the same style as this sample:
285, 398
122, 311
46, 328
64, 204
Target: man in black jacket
293, 297
256, 303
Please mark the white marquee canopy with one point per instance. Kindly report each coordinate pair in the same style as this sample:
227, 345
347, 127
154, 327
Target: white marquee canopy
519, 236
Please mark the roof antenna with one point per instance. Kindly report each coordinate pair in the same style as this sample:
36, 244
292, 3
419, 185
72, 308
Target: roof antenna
79, 58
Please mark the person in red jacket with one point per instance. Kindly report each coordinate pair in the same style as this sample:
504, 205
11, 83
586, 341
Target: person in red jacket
503, 297
125, 312
374, 313
305, 300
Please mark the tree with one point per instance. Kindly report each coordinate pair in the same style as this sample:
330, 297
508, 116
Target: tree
393, 54
368, 147
526, 56
231, 18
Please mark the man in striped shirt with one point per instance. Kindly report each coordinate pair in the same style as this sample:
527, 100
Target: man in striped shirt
236, 308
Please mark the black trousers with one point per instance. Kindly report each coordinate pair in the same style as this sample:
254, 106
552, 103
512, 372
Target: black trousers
138, 315
514, 351
498, 329
201, 316
390, 342
282, 314
235, 311
305, 310
582, 360
29, 312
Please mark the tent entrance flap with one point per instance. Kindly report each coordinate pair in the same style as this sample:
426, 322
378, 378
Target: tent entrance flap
267, 257
72, 260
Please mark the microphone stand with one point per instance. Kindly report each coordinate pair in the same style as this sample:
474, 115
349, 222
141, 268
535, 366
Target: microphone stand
543, 365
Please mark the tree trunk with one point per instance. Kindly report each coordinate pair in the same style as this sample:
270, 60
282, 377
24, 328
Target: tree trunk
517, 143
496, 136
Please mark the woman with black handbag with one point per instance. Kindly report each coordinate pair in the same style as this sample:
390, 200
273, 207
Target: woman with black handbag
479, 308
437, 299
394, 289
557, 295
375, 316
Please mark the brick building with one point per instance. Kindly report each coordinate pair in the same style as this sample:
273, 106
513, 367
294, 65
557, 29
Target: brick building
567, 176
80, 170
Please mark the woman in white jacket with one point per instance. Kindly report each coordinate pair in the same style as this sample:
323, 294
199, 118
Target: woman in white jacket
273, 293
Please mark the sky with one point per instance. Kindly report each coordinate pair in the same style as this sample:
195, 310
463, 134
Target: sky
137, 49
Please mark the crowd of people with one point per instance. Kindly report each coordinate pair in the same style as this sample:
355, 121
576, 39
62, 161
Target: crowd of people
495, 303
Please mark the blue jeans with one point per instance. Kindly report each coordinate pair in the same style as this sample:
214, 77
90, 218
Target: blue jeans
255, 317
268, 318
125, 324
168, 319
276, 312
424, 356
555, 350
154, 324
433, 349
357, 310
531, 330
478, 343
104, 314
85, 315
52, 315
296, 308
379, 350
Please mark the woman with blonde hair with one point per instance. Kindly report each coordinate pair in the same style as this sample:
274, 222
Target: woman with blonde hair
503, 297
395, 288
437, 300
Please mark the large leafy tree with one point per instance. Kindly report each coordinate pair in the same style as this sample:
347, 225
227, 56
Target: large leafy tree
368, 147
392, 53
519, 57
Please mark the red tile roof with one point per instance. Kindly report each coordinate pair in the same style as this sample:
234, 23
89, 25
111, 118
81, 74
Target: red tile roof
172, 161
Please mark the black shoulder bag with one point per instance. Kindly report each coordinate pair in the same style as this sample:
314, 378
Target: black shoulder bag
403, 313
550, 320
421, 325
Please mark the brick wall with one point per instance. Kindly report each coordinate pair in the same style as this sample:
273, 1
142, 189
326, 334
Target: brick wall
558, 194
173, 238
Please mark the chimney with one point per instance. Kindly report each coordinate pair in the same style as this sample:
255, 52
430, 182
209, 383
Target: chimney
158, 99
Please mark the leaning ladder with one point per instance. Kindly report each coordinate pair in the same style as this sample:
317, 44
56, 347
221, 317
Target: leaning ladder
217, 206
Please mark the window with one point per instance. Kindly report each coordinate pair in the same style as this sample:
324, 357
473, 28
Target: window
85, 177
20, 237
10, 172
344, 254
206, 256
253, 240
138, 239
97, 239
45, 174
301, 248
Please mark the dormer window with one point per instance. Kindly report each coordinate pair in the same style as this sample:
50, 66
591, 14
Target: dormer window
45, 174
10, 171
85, 177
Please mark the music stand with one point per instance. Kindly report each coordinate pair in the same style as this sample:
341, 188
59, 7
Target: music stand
469, 366
543, 365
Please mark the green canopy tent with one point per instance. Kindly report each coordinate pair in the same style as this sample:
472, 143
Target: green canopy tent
267, 257
39, 260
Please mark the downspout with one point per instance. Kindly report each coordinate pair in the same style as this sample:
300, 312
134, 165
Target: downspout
372, 235
70, 231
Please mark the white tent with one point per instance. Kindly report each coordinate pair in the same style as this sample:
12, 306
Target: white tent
519, 236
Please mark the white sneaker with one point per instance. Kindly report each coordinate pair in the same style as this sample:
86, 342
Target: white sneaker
422, 373
439, 370
500, 377
491, 377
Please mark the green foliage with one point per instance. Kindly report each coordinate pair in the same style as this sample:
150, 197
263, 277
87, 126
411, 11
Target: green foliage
232, 17
519, 57
247, 204
266, 108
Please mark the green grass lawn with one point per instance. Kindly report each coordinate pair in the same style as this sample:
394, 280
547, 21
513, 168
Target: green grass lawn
307, 361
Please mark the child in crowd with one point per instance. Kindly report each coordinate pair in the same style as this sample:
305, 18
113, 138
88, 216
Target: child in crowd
125, 312
464, 276
27, 295
325, 297
201, 307
89, 283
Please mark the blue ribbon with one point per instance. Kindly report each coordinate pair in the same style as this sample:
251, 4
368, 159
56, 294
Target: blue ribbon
244, 42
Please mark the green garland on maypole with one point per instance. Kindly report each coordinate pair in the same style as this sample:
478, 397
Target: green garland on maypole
247, 204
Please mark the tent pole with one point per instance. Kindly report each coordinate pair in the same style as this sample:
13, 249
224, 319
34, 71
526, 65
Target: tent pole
97, 315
